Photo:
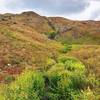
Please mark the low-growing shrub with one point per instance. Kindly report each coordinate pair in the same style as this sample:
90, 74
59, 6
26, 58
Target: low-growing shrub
66, 48
28, 86
64, 85
51, 35
67, 78
9, 79
64, 80
72, 63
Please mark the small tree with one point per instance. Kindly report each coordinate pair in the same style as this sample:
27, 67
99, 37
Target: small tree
51, 35
28, 86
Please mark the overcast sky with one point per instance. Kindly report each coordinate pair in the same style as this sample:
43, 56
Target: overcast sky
72, 9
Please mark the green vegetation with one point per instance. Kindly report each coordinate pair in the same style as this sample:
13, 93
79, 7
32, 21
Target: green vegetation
28, 86
51, 35
58, 74
57, 65
65, 80
66, 48
85, 39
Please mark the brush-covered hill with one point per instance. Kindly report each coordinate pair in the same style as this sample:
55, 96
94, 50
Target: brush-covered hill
28, 39
48, 58
23, 44
77, 32
66, 31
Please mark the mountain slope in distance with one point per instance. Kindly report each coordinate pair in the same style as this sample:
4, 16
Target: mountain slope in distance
23, 41
68, 31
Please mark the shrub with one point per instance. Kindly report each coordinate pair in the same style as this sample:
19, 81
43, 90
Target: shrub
49, 62
9, 79
92, 81
87, 95
51, 35
66, 48
78, 81
71, 63
28, 86
66, 79
64, 85
74, 64
62, 59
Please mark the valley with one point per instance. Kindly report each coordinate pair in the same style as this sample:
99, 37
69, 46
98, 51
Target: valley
48, 58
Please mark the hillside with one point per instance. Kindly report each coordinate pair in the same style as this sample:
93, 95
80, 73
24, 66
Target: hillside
83, 32
21, 44
50, 53
77, 32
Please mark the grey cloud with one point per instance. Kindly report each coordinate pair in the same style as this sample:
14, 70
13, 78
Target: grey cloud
95, 14
54, 7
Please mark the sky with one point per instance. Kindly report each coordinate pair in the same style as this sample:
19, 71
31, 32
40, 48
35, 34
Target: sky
71, 9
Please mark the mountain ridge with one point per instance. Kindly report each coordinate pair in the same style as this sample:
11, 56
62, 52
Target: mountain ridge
75, 31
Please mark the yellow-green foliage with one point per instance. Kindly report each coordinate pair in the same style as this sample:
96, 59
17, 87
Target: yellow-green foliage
58, 83
28, 86
90, 56
51, 35
71, 63
66, 48
66, 80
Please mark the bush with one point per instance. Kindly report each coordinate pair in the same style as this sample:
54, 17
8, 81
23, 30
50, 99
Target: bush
9, 79
64, 85
66, 48
51, 35
78, 81
71, 63
49, 62
65, 80
87, 95
28, 86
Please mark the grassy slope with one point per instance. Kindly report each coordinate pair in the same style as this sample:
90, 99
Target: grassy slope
18, 50
22, 40
23, 44
89, 55
76, 32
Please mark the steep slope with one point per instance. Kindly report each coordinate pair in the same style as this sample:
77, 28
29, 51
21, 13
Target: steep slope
23, 42
26, 19
77, 32
68, 31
